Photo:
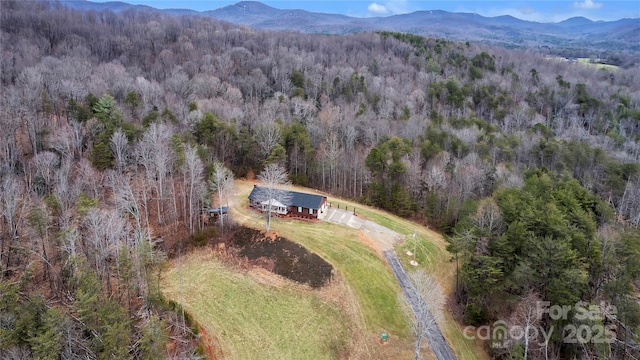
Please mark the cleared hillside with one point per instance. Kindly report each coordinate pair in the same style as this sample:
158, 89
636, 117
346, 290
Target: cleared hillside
374, 307
255, 314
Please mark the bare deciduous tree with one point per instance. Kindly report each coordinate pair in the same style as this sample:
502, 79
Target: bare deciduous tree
630, 204
11, 206
31, 83
120, 147
221, 183
70, 239
488, 217
154, 154
527, 315
332, 151
62, 140
45, 163
162, 162
272, 176
193, 174
89, 179
9, 146
67, 189
427, 308
414, 176
267, 137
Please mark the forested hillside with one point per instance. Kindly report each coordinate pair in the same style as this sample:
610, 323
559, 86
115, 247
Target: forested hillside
111, 124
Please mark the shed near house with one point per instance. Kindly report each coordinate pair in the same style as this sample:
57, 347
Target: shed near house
215, 214
298, 203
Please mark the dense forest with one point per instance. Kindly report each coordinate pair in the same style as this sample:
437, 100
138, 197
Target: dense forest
113, 126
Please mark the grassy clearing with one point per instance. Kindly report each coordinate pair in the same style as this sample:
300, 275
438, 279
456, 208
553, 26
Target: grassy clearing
588, 61
253, 320
429, 247
374, 293
363, 270
370, 278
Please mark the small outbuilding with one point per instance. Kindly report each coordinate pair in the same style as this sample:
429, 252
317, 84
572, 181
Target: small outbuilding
290, 203
216, 213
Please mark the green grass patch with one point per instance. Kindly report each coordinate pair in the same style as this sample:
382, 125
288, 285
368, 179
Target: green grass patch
429, 249
370, 278
374, 285
254, 320
596, 63
364, 271
379, 217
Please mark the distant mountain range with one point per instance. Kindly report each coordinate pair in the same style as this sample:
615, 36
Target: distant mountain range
508, 31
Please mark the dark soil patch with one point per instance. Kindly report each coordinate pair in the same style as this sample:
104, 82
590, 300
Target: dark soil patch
282, 257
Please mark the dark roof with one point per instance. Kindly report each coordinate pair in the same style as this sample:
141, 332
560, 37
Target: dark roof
220, 210
305, 200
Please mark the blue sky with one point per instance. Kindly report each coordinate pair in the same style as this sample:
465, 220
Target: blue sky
534, 10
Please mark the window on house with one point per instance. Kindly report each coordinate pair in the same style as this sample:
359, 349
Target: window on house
299, 209
311, 211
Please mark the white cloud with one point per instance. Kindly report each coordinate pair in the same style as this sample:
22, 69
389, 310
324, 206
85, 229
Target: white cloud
377, 8
587, 4
390, 7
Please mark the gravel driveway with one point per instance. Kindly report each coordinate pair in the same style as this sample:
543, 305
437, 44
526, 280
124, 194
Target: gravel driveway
384, 239
438, 344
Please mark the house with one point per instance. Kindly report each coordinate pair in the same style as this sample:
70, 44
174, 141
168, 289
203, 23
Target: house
288, 203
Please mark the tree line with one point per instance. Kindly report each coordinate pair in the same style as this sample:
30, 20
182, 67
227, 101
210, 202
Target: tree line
552, 241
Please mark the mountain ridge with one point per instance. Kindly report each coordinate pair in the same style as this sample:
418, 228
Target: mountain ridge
503, 30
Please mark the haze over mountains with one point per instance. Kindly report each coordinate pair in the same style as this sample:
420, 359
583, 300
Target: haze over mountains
508, 31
